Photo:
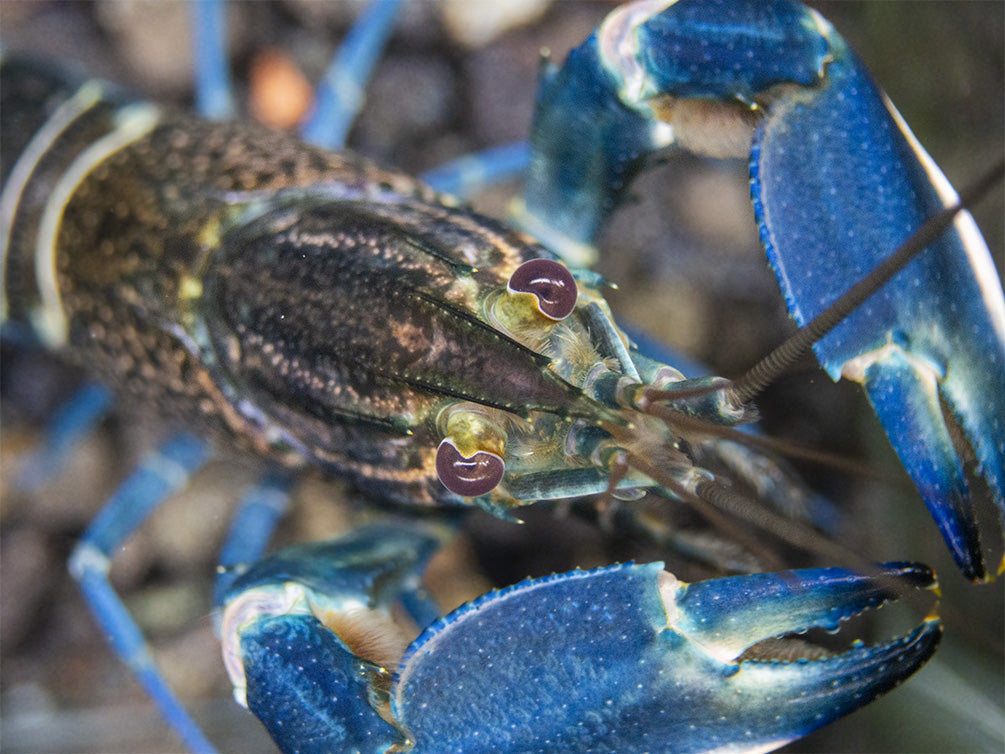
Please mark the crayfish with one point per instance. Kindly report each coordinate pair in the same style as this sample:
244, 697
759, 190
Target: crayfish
252, 293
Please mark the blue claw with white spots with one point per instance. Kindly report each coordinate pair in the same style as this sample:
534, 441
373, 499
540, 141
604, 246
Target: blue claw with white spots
838, 182
623, 658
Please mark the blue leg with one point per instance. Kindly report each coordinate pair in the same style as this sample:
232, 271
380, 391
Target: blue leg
74, 421
159, 476
467, 175
261, 509
214, 94
340, 93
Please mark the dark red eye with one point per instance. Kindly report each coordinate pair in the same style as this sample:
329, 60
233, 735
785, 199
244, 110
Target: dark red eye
551, 282
469, 477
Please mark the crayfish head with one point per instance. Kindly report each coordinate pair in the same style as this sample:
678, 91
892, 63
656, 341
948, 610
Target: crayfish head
621, 435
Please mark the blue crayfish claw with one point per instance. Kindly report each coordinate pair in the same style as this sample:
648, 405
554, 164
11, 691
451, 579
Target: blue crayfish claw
628, 658
623, 658
307, 633
838, 182
935, 334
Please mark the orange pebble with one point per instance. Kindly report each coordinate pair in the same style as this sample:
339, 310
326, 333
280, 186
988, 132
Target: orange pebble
280, 93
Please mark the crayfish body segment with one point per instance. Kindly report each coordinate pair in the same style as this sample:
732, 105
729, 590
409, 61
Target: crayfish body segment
321, 310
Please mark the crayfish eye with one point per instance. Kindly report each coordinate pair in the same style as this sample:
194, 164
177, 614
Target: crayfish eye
468, 477
552, 284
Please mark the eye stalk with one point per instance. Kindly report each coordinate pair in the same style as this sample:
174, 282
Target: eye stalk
550, 282
468, 477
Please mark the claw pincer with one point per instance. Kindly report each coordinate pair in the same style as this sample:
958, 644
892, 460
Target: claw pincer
836, 178
838, 181
614, 659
